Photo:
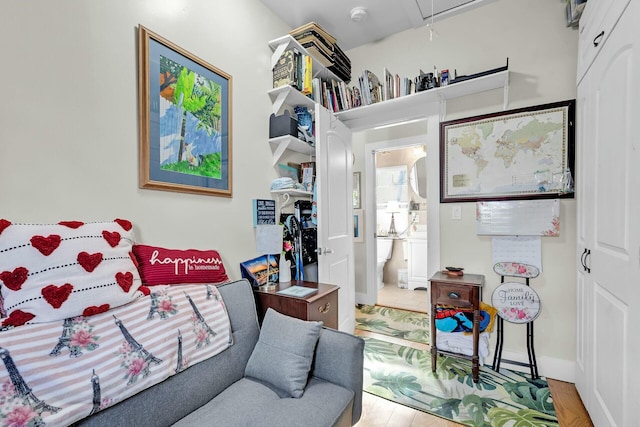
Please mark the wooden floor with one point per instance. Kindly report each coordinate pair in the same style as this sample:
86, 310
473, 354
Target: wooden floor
378, 412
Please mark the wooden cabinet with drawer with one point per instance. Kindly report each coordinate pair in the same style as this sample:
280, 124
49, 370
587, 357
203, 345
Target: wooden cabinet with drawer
464, 292
321, 305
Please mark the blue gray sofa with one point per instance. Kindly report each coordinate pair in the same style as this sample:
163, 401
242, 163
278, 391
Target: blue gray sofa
217, 391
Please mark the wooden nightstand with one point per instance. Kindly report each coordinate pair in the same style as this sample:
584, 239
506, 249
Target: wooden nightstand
463, 292
321, 305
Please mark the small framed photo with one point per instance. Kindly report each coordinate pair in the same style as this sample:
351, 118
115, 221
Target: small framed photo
356, 190
358, 226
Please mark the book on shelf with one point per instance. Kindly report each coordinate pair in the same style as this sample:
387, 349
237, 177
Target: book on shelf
307, 87
372, 87
347, 95
285, 70
388, 85
336, 91
308, 175
312, 26
318, 54
316, 41
327, 102
317, 90
357, 99
294, 68
323, 46
363, 92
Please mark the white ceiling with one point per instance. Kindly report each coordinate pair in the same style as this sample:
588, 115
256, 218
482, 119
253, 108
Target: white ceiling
383, 18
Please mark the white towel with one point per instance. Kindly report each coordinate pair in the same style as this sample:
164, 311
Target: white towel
459, 342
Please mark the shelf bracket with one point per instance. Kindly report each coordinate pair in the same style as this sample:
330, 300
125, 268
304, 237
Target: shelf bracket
443, 109
279, 102
505, 95
279, 151
277, 53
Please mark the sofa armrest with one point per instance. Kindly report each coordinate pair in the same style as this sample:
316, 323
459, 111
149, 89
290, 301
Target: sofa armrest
339, 359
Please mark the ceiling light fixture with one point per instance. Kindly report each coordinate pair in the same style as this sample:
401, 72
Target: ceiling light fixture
358, 14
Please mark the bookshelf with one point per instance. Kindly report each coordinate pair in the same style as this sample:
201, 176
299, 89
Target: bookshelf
411, 107
391, 111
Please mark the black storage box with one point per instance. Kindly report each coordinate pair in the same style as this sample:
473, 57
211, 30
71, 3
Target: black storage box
283, 125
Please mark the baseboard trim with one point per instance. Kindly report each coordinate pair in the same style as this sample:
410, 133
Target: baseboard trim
549, 367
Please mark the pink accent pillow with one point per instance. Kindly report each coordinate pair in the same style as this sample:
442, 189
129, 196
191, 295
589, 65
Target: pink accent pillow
162, 266
51, 272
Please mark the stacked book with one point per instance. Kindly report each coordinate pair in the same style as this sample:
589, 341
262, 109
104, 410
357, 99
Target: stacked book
322, 45
294, 68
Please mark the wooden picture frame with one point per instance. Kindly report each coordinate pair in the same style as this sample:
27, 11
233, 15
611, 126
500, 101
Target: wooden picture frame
525, 153
184, 120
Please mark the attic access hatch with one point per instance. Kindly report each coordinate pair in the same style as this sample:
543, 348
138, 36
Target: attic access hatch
424, 9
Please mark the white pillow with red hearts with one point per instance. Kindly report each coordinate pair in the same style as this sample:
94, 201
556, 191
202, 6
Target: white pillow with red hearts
51, 272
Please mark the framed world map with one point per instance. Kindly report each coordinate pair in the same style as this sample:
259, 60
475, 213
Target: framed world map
524, 153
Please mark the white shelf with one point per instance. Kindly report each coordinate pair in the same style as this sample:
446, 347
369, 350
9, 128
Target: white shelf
289, 96
293, 192
412, 106
288, 142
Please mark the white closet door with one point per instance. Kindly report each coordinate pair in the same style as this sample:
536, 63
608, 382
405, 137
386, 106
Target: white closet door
610, 291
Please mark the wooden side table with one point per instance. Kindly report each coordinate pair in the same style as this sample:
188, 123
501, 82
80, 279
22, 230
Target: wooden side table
321, 305
464, 292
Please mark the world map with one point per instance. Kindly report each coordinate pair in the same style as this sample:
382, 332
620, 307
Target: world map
506, 155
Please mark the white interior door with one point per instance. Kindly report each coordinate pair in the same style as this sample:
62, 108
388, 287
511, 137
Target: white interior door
335, 213
612, 284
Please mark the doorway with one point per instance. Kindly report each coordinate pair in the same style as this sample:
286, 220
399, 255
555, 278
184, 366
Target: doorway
398, 213
402, 196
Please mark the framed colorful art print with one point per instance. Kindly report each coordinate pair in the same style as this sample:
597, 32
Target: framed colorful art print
526, 153
185, 120
358, 226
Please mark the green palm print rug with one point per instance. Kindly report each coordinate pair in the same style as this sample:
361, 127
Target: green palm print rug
394, 322
403, 375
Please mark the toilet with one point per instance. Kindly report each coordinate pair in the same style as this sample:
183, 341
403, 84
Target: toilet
385, 249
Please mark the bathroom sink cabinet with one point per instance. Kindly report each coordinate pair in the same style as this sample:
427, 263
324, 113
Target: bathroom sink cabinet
417, 263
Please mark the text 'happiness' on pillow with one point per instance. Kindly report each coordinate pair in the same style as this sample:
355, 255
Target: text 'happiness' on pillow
162, 266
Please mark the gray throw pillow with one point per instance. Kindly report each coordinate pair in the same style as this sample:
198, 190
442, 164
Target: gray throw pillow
283, 354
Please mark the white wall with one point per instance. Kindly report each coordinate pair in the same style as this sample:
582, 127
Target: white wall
69, 116
542, 62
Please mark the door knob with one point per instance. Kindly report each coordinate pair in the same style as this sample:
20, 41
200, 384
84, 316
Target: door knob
320, 251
